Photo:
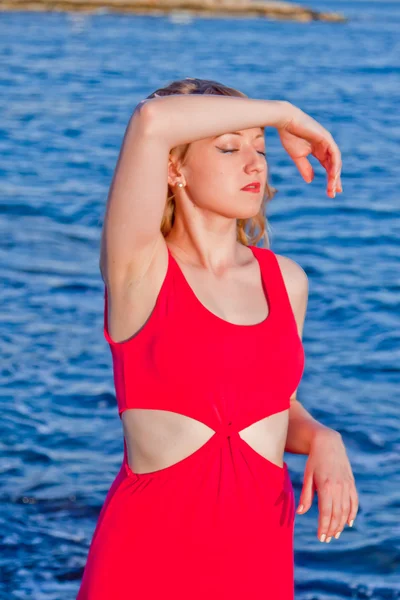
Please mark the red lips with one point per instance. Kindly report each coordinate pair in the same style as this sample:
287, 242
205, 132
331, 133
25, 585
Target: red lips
252, 187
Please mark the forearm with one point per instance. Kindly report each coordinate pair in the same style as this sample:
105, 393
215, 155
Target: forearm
184, 118
302, 429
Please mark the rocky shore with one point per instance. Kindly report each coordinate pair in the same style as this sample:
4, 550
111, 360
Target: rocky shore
210, 8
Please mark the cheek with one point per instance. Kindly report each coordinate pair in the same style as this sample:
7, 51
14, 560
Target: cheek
212, 180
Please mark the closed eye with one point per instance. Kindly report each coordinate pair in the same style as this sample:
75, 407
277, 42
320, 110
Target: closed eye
235, 150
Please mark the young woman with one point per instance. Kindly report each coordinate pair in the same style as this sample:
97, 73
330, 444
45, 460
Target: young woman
205, 333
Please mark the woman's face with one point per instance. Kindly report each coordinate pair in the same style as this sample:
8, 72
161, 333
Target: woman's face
216, 168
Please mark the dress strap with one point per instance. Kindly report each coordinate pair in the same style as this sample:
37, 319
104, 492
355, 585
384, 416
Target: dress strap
274, 281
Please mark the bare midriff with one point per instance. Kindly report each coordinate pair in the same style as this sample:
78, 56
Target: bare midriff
157, 439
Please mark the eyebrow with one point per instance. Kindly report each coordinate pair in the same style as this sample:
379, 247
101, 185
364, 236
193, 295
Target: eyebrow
236, 133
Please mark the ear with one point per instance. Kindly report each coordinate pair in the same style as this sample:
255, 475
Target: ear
174, 174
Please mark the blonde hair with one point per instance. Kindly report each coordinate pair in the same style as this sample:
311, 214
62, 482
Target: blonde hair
258, 225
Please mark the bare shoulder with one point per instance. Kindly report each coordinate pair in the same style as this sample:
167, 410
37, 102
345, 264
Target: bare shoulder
296, 282
295, 277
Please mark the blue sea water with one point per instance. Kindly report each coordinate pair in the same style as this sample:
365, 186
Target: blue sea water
68, 85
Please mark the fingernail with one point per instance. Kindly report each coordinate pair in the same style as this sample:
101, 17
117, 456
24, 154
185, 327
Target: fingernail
351, 523
337, 536
334, 193
328, 540
301, 507
322, 538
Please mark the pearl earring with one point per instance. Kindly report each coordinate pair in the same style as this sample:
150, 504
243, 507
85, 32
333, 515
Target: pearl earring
180, 184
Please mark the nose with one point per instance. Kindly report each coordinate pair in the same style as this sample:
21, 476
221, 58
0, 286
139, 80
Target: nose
255, 161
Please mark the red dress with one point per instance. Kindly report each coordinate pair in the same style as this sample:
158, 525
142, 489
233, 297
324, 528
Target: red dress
218, 524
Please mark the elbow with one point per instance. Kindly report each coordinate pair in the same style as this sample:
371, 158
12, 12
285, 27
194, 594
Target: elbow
153, 119
143, 117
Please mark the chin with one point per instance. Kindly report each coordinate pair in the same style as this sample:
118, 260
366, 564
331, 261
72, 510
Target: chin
247, 212
241, 210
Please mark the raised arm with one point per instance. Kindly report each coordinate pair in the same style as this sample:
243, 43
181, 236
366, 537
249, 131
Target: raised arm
137, 195
183, 118
134, 257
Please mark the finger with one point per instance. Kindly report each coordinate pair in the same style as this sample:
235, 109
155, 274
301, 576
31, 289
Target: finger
333, 166
325, 508
346, 505
333, 185
307, 494
337, 510
305, 168
337, 184
336, 157
354, 504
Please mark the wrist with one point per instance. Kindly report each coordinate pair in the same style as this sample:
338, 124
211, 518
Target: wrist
285, 113
322, 433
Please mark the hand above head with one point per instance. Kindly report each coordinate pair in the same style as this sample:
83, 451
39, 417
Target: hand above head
302, 135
